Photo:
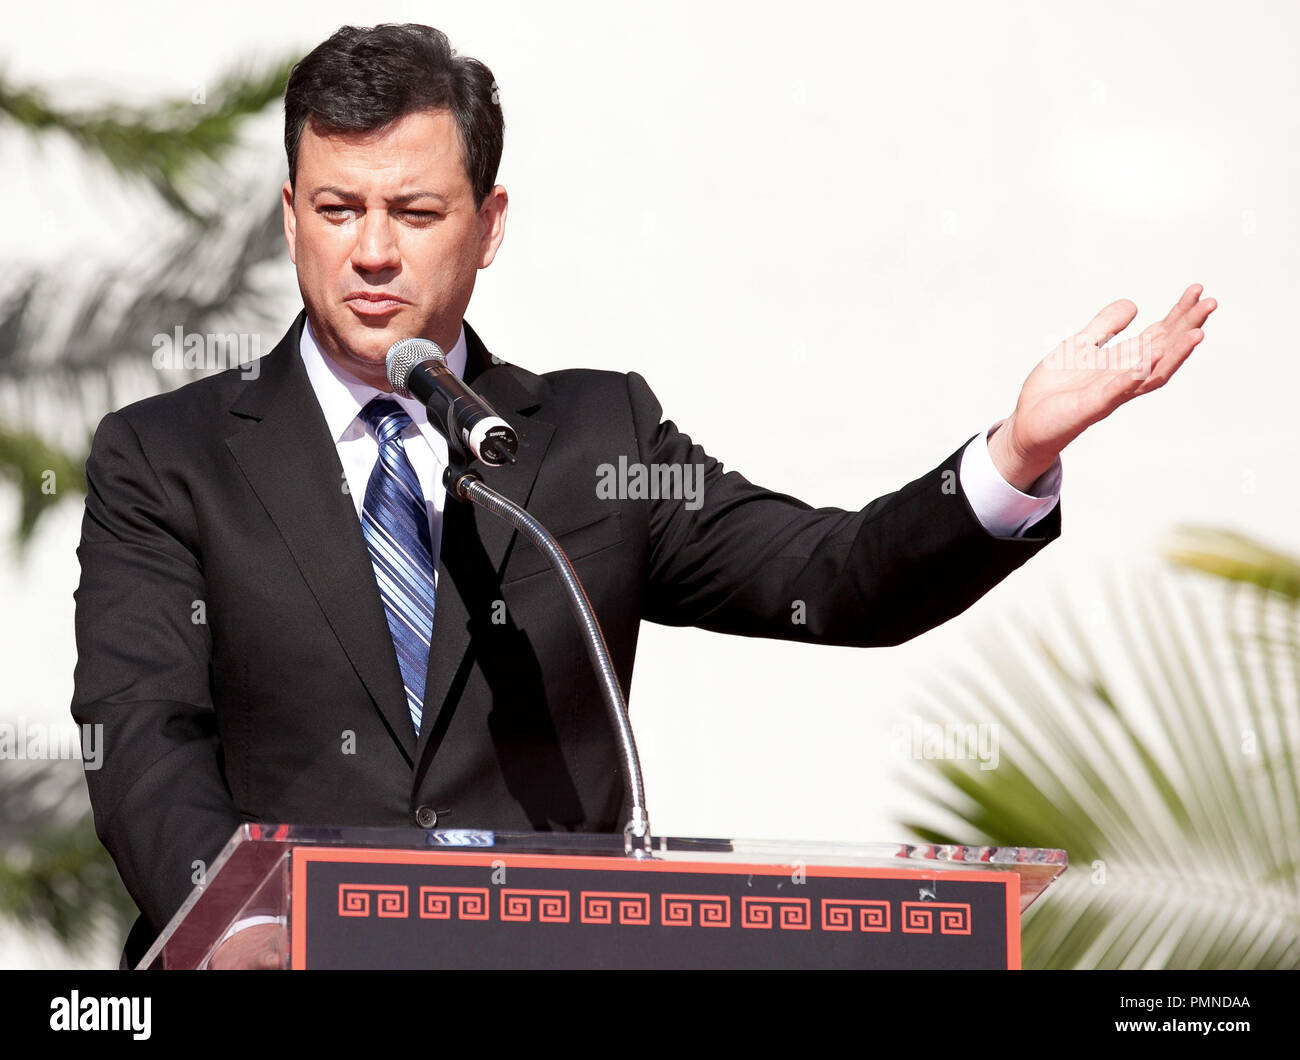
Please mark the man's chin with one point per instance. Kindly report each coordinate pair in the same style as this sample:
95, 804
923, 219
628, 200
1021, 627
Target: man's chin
363, 352
365, 341
376, 323
370, 340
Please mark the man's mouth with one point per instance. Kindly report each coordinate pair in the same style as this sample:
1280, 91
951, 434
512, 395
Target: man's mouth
374, 303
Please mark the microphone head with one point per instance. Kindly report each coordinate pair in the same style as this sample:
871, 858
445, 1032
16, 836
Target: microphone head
404, 355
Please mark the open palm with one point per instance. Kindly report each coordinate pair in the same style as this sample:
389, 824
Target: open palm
1084, 380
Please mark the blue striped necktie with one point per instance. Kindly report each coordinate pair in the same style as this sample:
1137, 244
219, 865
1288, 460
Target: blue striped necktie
395, 522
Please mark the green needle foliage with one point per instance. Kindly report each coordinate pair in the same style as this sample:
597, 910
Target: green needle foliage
1169, 774
162, 143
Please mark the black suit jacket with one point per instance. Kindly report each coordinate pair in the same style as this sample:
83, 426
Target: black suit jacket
232, 642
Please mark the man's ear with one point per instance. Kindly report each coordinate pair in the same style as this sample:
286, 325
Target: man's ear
290, 221
492, 224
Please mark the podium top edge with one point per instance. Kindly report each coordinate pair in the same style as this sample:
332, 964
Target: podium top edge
612, 844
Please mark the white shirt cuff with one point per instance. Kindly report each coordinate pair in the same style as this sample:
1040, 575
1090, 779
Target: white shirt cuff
251, 921
1001, 508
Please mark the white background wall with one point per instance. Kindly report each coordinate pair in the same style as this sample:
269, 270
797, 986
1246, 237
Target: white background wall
904, 208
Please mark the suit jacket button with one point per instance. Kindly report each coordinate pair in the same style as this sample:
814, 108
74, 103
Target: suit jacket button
426, 817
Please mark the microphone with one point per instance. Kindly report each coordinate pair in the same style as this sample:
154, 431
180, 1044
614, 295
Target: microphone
418, 368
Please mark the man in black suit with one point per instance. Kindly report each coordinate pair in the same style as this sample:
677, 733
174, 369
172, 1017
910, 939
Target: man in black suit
232, 637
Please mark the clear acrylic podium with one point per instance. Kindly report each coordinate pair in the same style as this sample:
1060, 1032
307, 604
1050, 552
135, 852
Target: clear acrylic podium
411, 898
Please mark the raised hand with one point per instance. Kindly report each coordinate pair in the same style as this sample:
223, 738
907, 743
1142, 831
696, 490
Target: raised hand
1083, 381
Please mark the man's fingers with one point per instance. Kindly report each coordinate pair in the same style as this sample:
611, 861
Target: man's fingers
1169, 360
1191, 310
1110, 322
1201, 311
1189, 298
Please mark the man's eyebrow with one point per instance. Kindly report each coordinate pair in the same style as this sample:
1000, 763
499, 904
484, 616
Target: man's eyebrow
405, 199
410, 197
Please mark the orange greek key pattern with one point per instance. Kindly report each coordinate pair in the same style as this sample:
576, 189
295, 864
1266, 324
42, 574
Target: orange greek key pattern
600, 907
838, 914
528, 905
953, 917
688, 910
389, 899
550, 907
789, 914
469, 903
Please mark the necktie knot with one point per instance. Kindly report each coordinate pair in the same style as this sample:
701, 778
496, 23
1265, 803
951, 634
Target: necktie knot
386, 418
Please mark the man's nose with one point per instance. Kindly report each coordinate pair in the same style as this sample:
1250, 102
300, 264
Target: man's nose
376, 246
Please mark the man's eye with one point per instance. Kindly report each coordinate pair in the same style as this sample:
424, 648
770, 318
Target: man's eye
421, 216
335, 211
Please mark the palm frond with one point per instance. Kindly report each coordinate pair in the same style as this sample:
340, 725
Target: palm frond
43, 474
56, 878
165, 143
64, 322
1233, 556
75, 344
1168, 772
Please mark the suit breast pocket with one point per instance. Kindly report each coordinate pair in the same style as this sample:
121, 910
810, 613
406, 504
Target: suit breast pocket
578, 543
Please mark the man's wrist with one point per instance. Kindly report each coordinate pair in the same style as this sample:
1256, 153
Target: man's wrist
1000, 508
1016, 468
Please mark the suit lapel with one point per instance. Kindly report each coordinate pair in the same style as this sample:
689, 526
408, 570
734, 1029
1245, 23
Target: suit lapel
285, 451
476, 544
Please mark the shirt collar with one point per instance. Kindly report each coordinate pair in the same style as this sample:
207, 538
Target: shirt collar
342, 396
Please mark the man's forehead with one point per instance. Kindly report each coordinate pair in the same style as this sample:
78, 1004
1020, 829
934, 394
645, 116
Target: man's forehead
417, 152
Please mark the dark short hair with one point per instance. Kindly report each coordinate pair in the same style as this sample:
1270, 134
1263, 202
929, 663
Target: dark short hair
365, 78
